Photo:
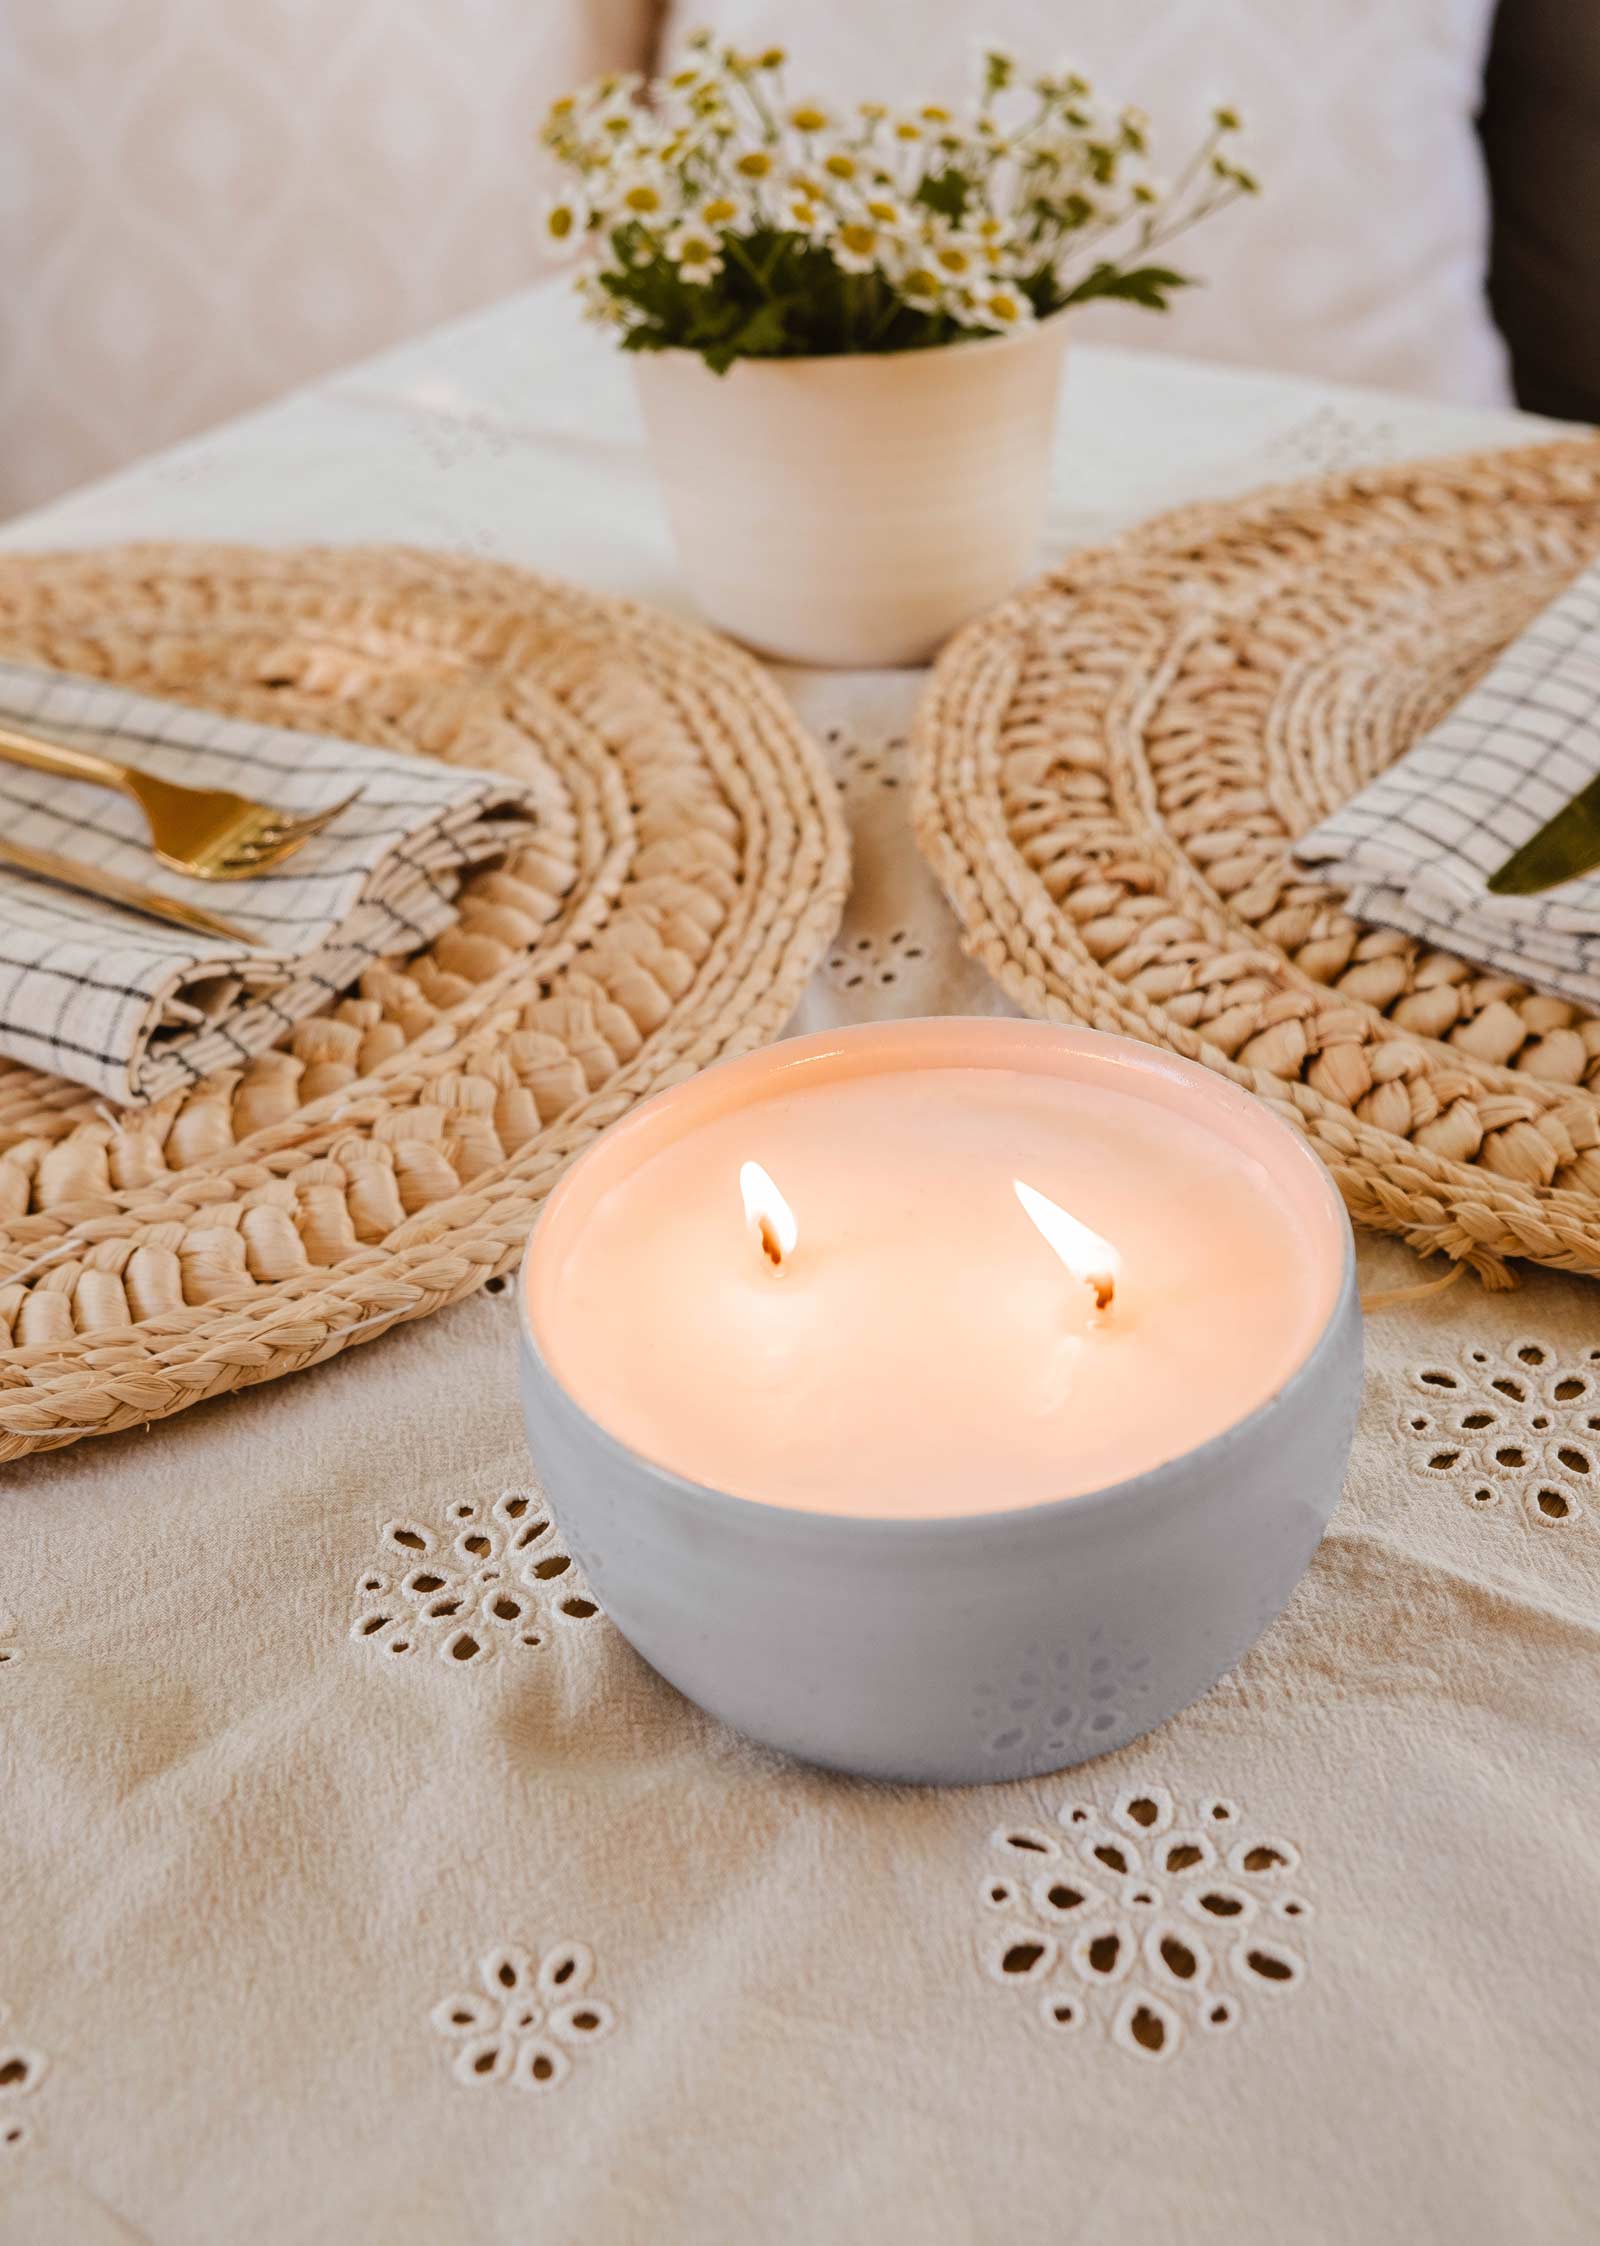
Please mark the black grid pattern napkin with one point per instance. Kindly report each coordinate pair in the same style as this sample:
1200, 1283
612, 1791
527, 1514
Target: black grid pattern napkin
135, 1008
1414, 849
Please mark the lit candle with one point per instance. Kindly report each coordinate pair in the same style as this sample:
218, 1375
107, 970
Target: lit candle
944, 1400
869, 1283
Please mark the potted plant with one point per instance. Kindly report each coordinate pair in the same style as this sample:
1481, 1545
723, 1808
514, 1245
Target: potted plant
851, 326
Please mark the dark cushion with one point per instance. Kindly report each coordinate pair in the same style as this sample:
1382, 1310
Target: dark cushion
1541, 137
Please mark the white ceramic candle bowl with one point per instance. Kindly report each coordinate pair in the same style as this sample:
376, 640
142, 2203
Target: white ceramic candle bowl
967, 1648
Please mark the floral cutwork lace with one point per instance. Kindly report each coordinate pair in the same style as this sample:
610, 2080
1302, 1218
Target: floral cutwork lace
532, 2014
1146, 1921
483, 1580
21, 2072
1514, 1430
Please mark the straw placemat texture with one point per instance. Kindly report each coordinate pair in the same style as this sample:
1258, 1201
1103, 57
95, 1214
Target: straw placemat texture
390, 1155
1112, 767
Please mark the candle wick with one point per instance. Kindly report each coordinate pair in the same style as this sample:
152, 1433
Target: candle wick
770, 1247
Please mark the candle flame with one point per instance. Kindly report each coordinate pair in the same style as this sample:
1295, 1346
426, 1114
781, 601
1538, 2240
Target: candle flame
767, 1214
1084, 1253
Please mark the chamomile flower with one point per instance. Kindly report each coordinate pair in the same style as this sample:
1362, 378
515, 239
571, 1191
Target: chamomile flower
921, 288
979, 217
638, 196
1001, 307
563, 221
804, 213
955, 258
857, 246
886, 211
721, 210
695, 252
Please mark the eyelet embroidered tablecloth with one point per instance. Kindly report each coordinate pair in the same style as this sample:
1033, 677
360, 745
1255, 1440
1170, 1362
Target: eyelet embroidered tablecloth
362, 1884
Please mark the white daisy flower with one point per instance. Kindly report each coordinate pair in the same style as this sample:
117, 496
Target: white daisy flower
640, 197
856, 246
804, 213
563, 222
720, 210
1000, 307
695, 253
921, 288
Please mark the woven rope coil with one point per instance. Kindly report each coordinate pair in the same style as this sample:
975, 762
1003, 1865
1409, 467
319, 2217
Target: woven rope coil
1112, 767
391, 1155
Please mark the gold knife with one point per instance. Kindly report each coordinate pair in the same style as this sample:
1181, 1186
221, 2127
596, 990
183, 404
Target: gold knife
90, 881
1563, 848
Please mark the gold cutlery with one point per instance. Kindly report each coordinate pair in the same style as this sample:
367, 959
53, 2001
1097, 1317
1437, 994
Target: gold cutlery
111, 889
1563, 848
207, 832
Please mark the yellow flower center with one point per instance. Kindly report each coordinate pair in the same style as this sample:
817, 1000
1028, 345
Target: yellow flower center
1004, 307
908, 129
755, 163
859, 240
886, 214
720, 210
561, 221
840, 166
953, 260
642, 197
808, 118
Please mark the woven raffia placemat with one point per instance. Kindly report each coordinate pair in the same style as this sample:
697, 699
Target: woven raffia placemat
1111, 769
391, 1154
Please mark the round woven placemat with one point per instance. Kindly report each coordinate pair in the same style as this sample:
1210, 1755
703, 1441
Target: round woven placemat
1112, 767
390, 1155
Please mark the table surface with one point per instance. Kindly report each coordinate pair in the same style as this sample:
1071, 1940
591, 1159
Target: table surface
250, 1867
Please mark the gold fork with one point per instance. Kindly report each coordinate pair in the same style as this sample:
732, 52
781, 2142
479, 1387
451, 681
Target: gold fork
207, 832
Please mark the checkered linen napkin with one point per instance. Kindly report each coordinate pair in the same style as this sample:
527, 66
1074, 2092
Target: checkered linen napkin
135, 1008
1414, 849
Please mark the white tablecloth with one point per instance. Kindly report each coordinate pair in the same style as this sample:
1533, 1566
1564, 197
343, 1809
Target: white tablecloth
278, 1904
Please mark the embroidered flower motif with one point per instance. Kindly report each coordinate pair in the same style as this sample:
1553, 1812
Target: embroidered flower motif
21, 2072
532, 2015
1515, 1429
486, 1579
1147, 1920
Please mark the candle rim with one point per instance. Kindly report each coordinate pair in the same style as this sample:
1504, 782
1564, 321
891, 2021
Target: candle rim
911, 1037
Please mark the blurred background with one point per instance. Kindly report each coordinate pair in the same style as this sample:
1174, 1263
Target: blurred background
204, 203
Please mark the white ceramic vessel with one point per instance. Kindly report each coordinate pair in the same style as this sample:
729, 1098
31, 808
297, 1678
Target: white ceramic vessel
855, 510
987, 1646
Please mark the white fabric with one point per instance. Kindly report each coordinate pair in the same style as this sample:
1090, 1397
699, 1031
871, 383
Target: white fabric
1364, 260
257, 1862
135, 1008
1415, 848
204, 201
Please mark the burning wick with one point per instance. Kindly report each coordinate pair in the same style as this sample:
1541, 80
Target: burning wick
1084, 1253
768, 1215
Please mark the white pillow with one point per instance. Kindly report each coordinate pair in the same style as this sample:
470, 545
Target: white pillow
203, 202
1364, 258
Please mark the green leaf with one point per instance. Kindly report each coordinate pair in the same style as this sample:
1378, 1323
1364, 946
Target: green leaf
1149, 285
944, 192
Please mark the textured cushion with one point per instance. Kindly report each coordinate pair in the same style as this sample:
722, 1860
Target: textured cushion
204, 202
1541, 132
1365, 258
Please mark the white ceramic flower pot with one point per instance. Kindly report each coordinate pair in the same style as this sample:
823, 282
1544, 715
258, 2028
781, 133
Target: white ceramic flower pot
855, 510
